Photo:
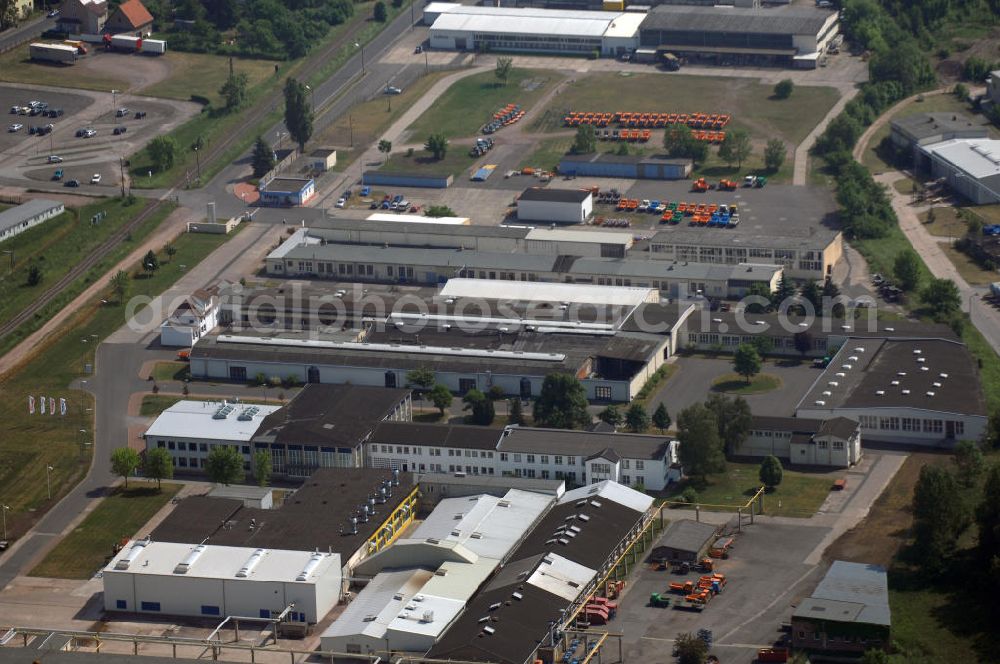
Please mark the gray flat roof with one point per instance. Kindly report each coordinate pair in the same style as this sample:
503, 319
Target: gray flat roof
779, 20
611, 158
490, 482
442, 258
850, 592
774, 325
323, 228
687, 535
663, 269
24, 211
554, 195
925, 125
582, 443
287, 184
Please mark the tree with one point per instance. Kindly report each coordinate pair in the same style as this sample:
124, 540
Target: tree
733, 417
35, 274
120, 284
735, 147
124, 461
874, 656
690, 649
298, 112
636, 418
437, 145
661, 418
150, 263
159, 465
939, 516
782, 292
988, 521
482, 409
611, 415
504, 67
379, 13
224, 465
162, 151
385, 147
969, 462
262, 467
783, 88
831, 294
746, 361
9, 14
420, 379
234, 90
906, 268
439, 211
770, 472
774, 154
803, 341
942, 297
515, 414
700, 447
763, 345
441, 397
678, 141
262, 160
562, 403
170, 250
585, 141
812, 294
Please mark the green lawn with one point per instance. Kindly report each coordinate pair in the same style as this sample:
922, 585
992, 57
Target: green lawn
946, 223
471, 102
59, 360
968, 268
56, 246
456, 162
17, 67
881, 253
166, 371
800, 494
154, 404
732, 383
88, 547
990, 371
198, 76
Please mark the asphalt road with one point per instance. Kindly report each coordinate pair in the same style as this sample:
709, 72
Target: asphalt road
24, 32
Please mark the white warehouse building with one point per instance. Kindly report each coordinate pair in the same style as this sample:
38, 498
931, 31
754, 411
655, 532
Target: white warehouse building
468, 28
203, 580
565, 206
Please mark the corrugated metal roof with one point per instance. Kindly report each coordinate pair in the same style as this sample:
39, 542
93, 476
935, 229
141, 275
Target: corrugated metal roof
716, 19
977, 157
564, 26
850, 592
537, 291
14, 216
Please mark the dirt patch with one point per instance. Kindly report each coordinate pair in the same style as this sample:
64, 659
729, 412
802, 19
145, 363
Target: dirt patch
880, 535
140, 71
949, 71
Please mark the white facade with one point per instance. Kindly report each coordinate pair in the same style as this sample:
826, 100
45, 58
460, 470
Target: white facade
971, 167
191, 321
907, 425
165, 578
27, 215
566, 212
821, 448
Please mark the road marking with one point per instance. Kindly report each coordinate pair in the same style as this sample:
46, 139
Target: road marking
766, 608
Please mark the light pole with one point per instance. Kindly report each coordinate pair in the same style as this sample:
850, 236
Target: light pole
312, 98
114, 104
48, 481
362, 47
3, 510
197, 159
350, 127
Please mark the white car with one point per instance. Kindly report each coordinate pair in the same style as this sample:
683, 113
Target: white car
95, 178
341, 202
15, 127
55, 159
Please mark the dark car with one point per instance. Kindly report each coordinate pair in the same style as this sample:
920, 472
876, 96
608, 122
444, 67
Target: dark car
71, 183
139, 115
120, 130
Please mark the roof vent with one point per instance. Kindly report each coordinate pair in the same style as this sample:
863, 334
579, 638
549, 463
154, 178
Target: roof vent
833, 383
917, 351
943, 375
906, 391
517, 595
581, 503
880, 392
398, 597
484, 619
921, 360
889, 329
368, 619
840, 374
441, 572
432, 540
846, 366
820, 403
489, 630
936, 384
859, 349
584, 517
503, 503
925, 368
901, 373
456, 533
563, 541
845, 327
827, 393
476, 536
930, 394
595, 503
494, 606
895, 382
853, 358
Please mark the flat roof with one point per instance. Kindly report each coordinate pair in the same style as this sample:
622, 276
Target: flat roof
553, 487
850, 592
286, 184
612, 158
774, 325
552, 195
28, 209
209, 561
577, 235
728, 19
329, 229
924, 125
537, 291
459, 436
977, 157
392, 217
526, 20
678, 270
212, 420
313, 517
240, 492
687, 535
582, 443
341, 415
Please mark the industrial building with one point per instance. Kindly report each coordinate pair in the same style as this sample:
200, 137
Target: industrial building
189, 430
280, 191
835, 442
562, 206
206, 580
471, 28
435, 487
422, 583
902, 390
197, 315
782, 36
577, 457
353, 512
911, 132
971, 167
633, 167
847, 614
685, 541
18, 219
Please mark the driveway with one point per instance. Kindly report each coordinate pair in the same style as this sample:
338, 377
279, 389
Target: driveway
693, 382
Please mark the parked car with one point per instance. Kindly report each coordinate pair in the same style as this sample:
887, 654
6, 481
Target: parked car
17, 126
55, 159
71, 183
418, 49
14, 110
366, 190
119, 130
89, 133
95, 178
341, 202
121, 112
392, 90
58, 175
139, 115
53, 13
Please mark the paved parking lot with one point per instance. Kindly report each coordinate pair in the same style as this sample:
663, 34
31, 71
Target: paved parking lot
693, 381
766, 575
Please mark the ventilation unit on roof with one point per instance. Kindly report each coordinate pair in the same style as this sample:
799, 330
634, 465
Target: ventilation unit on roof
495, 606
441, 572
943, 375
484, 619
917, 351
432, 540
581, 503
583, 517
845, 327
563, 541
516, 595
901, 373
368, 619
921, 360
889, 329
859, 349
570, 517
489, 630
551, 541
906, 391
846, 366
840, 374
456, 533
570, 534
575, 529
925, 368
398, 597
895, 382
853, 358
248, 414
880, 392
411, 607
827, 393
936, 384
223, 411
820, 403
595, 503
418, 598
476, 536
833, 383
504, 503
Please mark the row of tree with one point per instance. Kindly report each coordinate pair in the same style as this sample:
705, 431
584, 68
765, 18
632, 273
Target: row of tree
635, 417
224, 465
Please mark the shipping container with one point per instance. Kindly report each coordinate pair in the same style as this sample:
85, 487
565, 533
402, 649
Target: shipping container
52, 52
154, 46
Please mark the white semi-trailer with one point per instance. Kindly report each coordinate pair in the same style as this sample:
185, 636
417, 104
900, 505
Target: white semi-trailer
52, 52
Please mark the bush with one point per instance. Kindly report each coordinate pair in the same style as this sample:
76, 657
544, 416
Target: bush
783, 89
689, 496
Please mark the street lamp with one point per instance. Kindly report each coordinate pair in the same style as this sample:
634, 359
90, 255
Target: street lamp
312, 98
362, 47
48, 482
114, 104
3, 511
197, 159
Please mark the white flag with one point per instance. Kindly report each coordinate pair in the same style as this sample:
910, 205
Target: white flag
41, 404
31, 405
62, 406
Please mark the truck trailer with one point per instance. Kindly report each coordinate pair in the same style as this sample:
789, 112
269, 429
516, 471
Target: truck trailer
52, 52
154, 46
129, 43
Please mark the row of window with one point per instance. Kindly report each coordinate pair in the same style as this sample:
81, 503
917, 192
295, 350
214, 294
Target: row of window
431, 451
729, 340
183, 446
914, 424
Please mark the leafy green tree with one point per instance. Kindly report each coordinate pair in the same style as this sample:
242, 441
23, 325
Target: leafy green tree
611, 415
120, 284
977, 70
298, 112
9, 15
224, 465
262, 159
906, 268
482, 409
162, 151
746, 361
380, 13
874, 656
988, 521
420, 379
812, 294
636, 418
733, 417
803, 341
783, 88
774, 154
770, 472
170, 250
385, 147
942, 297
158, 465
758, 298
969, 462
661, 418
150, 263
939, 516
562, 403
762, 344
439, 211
437, 145
700, 447
35, 275
678, 141
515, 413
234, 90
441, 397
735, 147
262, 467
782, 292
585, 141
690, 649
124, 461
503, 69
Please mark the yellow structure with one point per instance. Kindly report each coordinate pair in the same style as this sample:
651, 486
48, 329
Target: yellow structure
614, 5
395, 523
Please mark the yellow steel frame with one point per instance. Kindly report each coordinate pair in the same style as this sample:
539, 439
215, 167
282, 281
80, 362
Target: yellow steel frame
396, 522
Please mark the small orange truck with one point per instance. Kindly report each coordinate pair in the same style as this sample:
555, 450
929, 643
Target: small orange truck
699, 186
727, 185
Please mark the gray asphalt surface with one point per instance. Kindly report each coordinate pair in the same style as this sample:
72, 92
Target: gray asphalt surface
24, 32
